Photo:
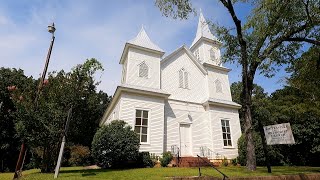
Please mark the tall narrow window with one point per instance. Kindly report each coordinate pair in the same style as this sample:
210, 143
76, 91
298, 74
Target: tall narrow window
226, 134
218, 86
197, 54
212, 55
186, 80
183, 79
143, 70
141, 126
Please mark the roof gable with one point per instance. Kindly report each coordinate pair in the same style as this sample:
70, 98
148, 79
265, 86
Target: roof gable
190, 55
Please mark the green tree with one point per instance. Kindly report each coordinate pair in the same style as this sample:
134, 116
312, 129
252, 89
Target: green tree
42, 126
299, 104
272, 35
10, 80
306, 74
115, 145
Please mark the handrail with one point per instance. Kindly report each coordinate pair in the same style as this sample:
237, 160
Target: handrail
199, 157
206, 152
175, 150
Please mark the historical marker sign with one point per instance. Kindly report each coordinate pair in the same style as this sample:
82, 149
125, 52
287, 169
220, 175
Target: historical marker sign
279, 134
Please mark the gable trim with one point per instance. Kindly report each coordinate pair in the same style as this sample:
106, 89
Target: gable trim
216, 42
129, 45
191, 56
222, 103
216, 67
120, 90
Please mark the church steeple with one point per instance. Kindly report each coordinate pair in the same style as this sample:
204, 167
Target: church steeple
143, 40
203, 30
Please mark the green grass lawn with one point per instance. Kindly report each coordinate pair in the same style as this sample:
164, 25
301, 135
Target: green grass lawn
158, 173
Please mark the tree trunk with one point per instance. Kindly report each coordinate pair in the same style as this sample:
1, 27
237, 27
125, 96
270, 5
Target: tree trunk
247, 81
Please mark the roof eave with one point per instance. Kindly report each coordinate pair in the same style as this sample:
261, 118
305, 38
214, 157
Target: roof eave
129, 45
121, 89
217, 67
110, 107
220, 104
217, 42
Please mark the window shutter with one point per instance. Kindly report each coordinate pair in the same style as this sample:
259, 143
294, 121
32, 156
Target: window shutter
218, 87
181, 78
212, 55
143, 70
186, 85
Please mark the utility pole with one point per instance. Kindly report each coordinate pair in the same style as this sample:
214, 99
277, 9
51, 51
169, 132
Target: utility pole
56, 171
22, 154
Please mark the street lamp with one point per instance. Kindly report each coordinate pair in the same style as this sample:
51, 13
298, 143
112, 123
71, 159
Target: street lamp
17, 174
51, 29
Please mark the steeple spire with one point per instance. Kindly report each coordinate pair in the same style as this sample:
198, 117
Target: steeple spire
143, 40
203, 30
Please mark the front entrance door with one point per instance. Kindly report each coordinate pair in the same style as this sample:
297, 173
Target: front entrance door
185, 140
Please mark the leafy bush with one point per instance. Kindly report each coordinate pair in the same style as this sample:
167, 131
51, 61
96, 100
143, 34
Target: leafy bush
276, 158
225, 161
115, 145
234, 161
144, 160
166, 159
79, 155
154, 158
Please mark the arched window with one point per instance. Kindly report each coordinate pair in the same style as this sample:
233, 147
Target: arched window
183, 78
218, 86
143, 70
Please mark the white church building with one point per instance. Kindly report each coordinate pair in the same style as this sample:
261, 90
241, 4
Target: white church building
178, 102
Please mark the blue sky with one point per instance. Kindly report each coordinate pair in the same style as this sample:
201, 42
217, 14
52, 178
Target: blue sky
99, 29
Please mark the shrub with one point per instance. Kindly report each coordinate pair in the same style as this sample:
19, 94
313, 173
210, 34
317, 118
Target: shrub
166, 159
154, 158
234, 161
79, 155
144, 160
115, 145
225, 161
276, 158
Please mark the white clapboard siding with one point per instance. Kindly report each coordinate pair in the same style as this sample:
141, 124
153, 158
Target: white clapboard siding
136, 57
229, 114
193, 114
114, 115
222, 76
206, 48
196, 91
155, 106
124, 72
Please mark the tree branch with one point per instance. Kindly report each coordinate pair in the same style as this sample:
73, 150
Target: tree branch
242, 42
279, 40
301, 39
